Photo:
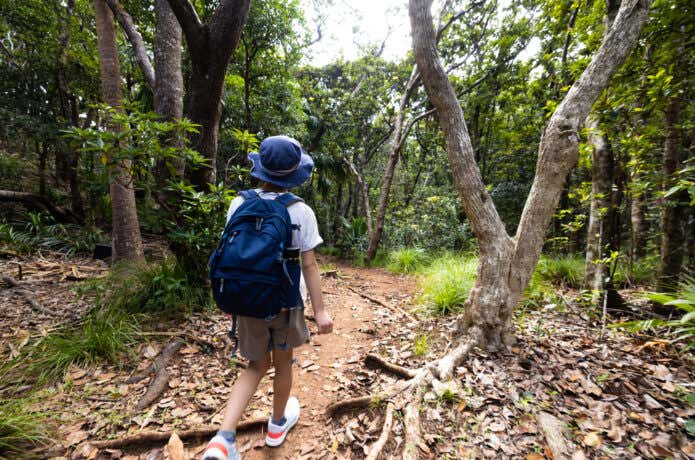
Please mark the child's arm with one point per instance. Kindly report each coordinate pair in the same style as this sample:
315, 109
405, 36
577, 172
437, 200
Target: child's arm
310, 269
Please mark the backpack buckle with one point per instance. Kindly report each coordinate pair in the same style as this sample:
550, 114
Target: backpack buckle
259, 222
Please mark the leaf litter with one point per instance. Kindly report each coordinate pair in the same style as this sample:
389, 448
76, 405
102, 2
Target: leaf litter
620, 396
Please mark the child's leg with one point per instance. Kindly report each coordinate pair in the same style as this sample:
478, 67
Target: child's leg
244, 387
282, 383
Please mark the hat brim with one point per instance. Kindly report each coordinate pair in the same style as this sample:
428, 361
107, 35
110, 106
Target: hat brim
291, 180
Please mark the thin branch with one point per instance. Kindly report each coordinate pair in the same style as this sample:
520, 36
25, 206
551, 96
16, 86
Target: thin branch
378, 446
135, 39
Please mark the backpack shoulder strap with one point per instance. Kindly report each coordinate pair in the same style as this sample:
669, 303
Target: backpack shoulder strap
287, 199
249, 194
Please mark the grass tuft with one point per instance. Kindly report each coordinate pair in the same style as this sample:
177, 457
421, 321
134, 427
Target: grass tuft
160, 288
407, 260
21, 429
564, 271
104, 335
447, 281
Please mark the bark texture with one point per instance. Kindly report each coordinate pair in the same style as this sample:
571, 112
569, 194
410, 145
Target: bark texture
602, 212
127, 243
210, 47
674, 213
505, 264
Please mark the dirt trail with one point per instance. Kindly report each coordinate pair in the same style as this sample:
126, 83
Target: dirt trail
337, 354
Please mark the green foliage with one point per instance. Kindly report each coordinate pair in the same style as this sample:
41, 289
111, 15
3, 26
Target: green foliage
11, 170
40, 231
679, 329
407, 260
353, 238
140, 140
432, 224
446, 283
194, 225
641, 273
162, 288
22, 428
104, 335
420, 347
559, 271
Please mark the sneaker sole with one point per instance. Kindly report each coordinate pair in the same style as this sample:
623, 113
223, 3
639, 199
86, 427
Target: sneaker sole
276, 442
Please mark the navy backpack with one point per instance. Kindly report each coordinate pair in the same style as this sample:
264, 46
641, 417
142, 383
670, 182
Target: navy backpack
255, 271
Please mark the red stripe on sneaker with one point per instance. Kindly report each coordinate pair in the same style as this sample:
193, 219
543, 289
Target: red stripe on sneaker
275, 435
218, 445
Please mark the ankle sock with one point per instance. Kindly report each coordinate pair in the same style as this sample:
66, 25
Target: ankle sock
229, 436
279, 422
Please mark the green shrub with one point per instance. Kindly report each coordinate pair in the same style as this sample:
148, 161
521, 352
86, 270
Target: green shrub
407, 260
564, 271
679, 329
21, 428
447, 281
641, 273
163, 287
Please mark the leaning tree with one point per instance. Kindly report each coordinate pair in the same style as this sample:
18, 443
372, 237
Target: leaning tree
505, 262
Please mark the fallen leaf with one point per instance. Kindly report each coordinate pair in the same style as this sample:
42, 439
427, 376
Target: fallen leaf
534, 456
76, 437
175, 448
592, 439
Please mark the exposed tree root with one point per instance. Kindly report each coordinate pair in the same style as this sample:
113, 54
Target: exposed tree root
361, 402
407, 395
384, 304
161, 379
151, 437
559, 444
372, 359
160, 362
35, 305
378, 446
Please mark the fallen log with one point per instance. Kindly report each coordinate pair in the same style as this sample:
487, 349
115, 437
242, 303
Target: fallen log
161, 379
160, 362
40, 203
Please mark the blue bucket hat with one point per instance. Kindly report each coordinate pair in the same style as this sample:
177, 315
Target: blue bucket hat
281, 161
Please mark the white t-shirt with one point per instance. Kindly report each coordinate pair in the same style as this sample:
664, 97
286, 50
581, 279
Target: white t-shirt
305, 238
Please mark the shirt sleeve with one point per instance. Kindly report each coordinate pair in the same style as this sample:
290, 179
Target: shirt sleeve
233, 206
309, 236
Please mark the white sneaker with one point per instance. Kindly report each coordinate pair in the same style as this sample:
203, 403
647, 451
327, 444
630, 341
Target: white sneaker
277, 433
220, 449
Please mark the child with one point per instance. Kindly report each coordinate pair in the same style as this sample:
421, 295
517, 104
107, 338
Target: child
280, 165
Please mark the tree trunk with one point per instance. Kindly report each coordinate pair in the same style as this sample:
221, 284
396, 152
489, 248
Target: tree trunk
127, 243
602, 213
43, 154
674, 207
637, 220
210, 47
505, 264
168, 83
397, 142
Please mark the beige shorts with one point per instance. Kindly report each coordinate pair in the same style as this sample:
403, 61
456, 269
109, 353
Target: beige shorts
258, 336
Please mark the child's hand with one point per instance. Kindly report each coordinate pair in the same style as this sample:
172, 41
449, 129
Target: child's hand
324, 322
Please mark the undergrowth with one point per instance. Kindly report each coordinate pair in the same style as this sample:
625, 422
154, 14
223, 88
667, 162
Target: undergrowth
104, 335
127, 299
40, 231
447, 281
560, 271
163, 288
21, 428
677, 329
407, 260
